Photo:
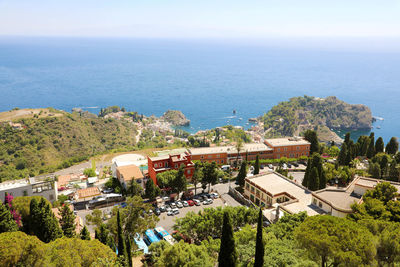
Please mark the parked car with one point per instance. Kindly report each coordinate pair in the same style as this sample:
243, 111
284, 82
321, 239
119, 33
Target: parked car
210, 201
157, 211
185, 203
108, 190
179, 204
270, 166
295, 164
214, 195
175, 211
163, 208
190, 202
170, 213
166, 198
197, 202
150, 212
173, 205
205, 202
289, 165
168, 208
262, 167
123, 204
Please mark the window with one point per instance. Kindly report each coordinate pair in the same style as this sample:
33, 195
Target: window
314, 201
176, 166
202, 157
222, 161
320, 204
252, 197
247, 186
25, 193
252, 189
279, 150
166, 164
298, 148
155, 165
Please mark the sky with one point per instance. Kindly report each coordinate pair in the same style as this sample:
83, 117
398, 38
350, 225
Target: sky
201, 18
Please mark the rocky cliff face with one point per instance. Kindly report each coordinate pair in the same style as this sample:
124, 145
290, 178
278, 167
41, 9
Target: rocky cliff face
176, 118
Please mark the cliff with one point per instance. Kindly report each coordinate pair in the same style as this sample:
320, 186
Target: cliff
291, 117
176, 118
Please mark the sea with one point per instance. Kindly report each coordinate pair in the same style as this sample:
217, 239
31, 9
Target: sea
205, 79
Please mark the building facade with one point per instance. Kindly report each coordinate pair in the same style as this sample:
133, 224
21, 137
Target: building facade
170, 162
125, 174
292, 147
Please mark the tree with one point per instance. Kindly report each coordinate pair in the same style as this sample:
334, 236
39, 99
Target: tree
227, 253
103, 235
242, 174
257, 166
379, 145
371, 146
121, 242
210, 175
197, 175
89, 172
165, 179
129, 251
374, 170
342, 155
393, 146
347, 138
383, 191
7, 223
85, 235
336, 241
42, 221
95, 218
314, 180
311, 136
394, 173
151, 189
180, 182
67, 221
134, 189
238, 146
259, 257
307, 174
322, 179
384, 166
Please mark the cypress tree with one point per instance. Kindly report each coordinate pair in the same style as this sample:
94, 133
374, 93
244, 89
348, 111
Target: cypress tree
121, 242
307, 174
259, 257
375, 170
364, 145
311, 136
322, 179
379, 145
242, 174
7, 223
257, 166
67, 221
347, 139
371, 147
34, 217
393, 146
384, 165
314, 180
50, 227
227, 256
342, 155
85, 235
129, 251
394, 173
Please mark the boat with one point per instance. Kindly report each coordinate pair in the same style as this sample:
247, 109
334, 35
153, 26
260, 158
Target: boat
378, 127
234, 111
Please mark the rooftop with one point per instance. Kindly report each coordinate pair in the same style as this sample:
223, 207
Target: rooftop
88, 192
210, 150
372, 182
254, 147
290, 141
339, 199
130, 171
276, 184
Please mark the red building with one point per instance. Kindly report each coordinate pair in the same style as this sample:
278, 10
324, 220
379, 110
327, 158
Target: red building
170, 162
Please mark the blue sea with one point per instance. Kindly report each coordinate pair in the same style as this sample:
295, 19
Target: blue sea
206, 80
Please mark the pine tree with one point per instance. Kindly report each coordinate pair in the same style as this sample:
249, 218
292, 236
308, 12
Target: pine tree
67, 221
393, 146
347, 139
374, 170
102, 234
121, 243
242, 174
314, 180
85, 235
151, 190
371, 147
227, 256
7, 223
259, 257
342, 155
394, 173
379, 145
257, 166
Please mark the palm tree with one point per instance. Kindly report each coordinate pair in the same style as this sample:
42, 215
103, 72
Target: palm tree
238, 146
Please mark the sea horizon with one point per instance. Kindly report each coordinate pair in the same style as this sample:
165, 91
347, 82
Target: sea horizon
204, 79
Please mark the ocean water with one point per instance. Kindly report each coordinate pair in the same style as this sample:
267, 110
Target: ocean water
206, 80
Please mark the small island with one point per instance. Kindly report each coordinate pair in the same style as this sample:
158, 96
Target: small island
176, 118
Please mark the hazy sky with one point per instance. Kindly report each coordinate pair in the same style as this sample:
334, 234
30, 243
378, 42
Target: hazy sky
201, 18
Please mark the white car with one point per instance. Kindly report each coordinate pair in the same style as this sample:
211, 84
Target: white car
170, 212
175, 211
205, 202
179, 204
185, 203
173, 206
214, 195
168, 208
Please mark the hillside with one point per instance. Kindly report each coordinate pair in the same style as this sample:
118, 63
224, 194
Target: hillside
299, 113
36, 145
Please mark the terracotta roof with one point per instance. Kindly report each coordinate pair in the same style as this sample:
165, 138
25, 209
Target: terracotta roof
129, 171
63, 180
88, 192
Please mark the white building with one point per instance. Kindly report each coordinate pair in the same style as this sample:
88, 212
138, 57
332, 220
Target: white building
29, 187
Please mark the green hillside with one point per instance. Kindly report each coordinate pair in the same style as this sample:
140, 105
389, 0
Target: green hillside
46, 144
287, 118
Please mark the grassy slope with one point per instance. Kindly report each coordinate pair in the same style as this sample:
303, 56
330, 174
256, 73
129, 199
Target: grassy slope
49, 143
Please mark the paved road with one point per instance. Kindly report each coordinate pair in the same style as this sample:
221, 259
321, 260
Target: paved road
297, 176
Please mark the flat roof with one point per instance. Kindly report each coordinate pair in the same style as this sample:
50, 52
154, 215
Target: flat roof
276, 184
339, 199
13, 184
288, 141
209, 150
254, 147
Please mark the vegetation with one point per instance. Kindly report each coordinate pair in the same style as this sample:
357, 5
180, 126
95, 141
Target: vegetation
315, 177
175, 117
51, 143
259, 255
284, 119
227, 256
